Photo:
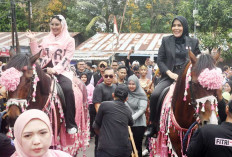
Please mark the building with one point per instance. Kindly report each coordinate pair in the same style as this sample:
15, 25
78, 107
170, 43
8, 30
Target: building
6, 42
106, 46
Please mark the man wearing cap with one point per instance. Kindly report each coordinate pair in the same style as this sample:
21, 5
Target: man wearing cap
94, 68
111, 124
213, 140
98, 75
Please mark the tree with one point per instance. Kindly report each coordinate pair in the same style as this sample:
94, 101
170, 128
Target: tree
214, 21
5, 16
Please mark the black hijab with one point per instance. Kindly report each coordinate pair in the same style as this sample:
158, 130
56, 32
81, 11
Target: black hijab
184, 23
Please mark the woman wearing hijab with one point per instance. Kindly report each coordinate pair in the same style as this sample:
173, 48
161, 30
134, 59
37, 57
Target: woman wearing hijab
172, 56
33, 136
57, 51
137, 102
90, 88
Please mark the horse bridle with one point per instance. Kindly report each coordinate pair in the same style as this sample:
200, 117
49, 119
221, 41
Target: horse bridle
193, 101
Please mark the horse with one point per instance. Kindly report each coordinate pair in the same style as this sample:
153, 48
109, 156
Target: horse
36, 90
187, 102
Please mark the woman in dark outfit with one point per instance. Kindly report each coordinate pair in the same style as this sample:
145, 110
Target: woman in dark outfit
172, 56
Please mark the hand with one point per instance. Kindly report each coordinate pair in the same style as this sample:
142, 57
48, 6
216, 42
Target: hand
51, 71
172, 75
30, 35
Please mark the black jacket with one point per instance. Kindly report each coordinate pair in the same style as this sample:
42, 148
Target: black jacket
166, 54
212, 141
6, 146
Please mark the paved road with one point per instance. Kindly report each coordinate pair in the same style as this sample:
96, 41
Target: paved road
90, 149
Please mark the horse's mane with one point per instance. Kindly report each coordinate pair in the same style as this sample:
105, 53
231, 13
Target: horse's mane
203, 62
18, 61
180, 81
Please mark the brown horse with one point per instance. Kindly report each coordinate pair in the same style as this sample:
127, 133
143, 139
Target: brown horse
182, 111
46, 100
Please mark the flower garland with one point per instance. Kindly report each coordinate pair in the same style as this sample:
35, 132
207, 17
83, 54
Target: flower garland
187, 80
210, 79
11, 79
36, 79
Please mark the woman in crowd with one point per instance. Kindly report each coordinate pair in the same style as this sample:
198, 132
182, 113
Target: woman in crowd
147, 86
57, 51
90, 89
172, 57
33, 136
137, 102
228, 87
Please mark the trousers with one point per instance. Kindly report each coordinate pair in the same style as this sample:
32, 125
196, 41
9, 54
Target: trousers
138, 133
69, 115
155, 108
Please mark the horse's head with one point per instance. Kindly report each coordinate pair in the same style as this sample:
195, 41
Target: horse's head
18, 80
205, 80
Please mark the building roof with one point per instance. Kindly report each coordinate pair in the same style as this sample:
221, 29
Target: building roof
103, 45
6, 40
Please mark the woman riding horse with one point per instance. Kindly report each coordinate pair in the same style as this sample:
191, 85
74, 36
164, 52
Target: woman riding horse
57, 50
172, 56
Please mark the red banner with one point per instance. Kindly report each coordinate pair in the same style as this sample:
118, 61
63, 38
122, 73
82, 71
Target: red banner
4, 51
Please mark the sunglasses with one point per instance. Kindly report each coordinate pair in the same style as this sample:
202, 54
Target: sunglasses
110, 76
102, 66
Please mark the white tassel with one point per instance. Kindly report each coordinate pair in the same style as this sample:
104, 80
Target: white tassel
203, 108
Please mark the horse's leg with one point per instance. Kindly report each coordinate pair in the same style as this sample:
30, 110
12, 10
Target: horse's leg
175, 140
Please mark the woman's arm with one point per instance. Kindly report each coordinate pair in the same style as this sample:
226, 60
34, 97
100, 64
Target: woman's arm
162, 58
35, 48
141, 109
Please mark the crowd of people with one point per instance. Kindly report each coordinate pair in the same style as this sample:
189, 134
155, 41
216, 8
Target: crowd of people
120, 94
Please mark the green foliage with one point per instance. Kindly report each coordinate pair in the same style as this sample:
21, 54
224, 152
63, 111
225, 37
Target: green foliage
5, 17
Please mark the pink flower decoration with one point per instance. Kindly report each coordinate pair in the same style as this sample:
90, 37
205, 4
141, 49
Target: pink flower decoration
211, 79
10, 79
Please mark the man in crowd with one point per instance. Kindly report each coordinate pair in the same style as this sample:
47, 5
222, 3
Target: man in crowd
135, 65
89, 66
98, 75
213, 140
114, 65
103, 92
81, 67
111, 123
94, 68
122, 73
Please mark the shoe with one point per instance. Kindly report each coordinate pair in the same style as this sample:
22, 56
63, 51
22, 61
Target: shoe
72, 131
145, 152
150, 131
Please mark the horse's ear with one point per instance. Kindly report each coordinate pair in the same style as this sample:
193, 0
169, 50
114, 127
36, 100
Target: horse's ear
217, 55
34, 58
192, 57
